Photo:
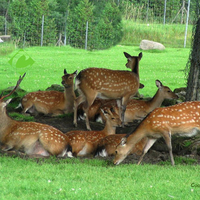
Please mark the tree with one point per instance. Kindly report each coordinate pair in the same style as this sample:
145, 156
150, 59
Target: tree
27, 19
76, 23
193, 64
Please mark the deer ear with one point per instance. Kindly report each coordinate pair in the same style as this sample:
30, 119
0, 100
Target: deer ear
127, 55
65, 71
158, 84
141, 86
140, 55
104, 111
76, 72
123, 141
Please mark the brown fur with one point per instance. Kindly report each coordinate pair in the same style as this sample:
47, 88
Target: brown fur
29, 137
85, 142
138, 109
182, 119
105, 83
52, 102
108, 144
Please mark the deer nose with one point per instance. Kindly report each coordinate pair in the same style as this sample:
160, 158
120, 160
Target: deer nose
63, 82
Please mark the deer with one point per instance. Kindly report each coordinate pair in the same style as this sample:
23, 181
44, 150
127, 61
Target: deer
52, 103
84, 143
94, 113
137, 109
31, 138
107, 145
182, 119
107, 83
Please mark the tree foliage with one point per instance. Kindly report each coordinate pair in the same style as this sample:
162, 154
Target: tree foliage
23, 19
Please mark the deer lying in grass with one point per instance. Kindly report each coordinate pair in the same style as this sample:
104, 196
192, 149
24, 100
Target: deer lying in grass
52, 102
107, 145
106, 83
29, 137
182, 119
84, 143
138, 109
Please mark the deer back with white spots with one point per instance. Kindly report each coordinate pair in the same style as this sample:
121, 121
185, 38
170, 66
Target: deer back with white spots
52, 102
106, 83
29, 137
182, 119
85, 142
138, 109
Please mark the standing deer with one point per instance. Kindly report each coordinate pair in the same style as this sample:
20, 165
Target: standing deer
29, 137
94, 112
106, 83
182, 119
52, 102
138, 109
107, 145
85, 142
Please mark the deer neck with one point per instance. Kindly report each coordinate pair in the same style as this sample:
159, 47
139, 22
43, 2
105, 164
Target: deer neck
156, 101
69, 94
135, 67
5, 123
109, 129
136, 136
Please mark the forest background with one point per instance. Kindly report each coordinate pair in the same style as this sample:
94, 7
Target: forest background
99, 23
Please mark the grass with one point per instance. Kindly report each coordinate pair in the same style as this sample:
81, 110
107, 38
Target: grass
87, 179
6, 48
99, 179
167, 66
170, 35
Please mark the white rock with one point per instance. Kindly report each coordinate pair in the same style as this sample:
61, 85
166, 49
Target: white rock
148, 44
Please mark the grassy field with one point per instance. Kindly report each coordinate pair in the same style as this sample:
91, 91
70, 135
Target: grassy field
49, 62
170, 35
95, 179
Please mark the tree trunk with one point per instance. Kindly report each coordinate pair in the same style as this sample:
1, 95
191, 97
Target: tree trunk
193, 67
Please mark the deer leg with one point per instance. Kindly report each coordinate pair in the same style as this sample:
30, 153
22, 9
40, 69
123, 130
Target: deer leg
90, 97
77, 101
123, 108
146, 148
167, 137
86, 110
119, 104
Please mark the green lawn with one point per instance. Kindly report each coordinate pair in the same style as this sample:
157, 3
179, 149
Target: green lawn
167, 66
95, 179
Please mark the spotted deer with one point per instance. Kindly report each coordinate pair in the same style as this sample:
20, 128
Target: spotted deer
29, 137
107, 145
84, 143
106, 83
52, 102
94, 112
138, 109
181, 119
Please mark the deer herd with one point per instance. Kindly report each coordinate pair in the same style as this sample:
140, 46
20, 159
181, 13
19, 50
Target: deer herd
105, 93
